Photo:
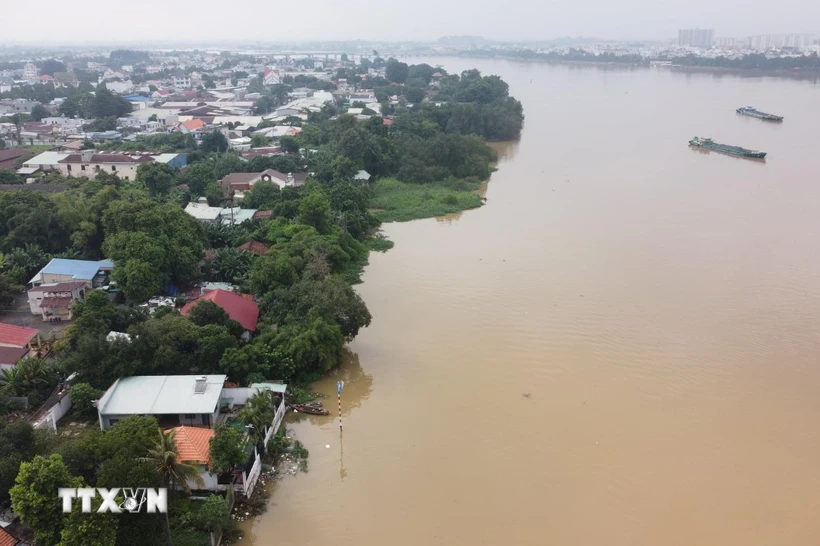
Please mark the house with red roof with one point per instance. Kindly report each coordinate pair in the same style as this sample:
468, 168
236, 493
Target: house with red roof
194, 447
260, 249
190, 126
240, 308
16, 343
7, 539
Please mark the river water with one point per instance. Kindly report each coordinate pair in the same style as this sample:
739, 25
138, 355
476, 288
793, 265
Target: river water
620, 348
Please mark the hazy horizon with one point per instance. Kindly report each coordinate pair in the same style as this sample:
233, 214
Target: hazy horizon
426, 20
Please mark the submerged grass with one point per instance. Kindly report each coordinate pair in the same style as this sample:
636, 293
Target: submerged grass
395, 201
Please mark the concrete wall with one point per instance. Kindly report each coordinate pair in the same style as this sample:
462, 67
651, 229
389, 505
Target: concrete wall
50, 419
125, 171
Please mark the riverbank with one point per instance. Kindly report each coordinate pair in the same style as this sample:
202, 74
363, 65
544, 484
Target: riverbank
395, 201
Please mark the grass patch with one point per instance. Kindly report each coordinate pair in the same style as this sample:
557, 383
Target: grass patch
395, 201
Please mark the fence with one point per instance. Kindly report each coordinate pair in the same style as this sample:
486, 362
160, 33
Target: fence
52, 415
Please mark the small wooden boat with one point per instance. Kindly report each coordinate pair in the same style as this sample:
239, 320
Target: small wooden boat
309, 409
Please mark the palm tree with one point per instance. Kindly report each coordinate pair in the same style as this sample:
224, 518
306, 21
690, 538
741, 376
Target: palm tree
258, 414
8, 380
165, 458
30, 376
232, 264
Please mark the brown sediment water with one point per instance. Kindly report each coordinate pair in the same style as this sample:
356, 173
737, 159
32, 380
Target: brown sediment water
619, 349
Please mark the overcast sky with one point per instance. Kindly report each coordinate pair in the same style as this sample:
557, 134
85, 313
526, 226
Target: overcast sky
275, 20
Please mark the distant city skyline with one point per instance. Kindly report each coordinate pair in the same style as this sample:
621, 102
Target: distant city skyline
82, 21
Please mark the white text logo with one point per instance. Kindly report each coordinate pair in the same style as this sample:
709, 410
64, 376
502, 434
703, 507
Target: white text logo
131, 499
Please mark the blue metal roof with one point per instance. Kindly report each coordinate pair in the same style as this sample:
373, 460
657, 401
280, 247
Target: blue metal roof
79, 269
136, 98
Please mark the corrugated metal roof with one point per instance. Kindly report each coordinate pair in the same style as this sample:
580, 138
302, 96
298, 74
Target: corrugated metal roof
161, 395
275, 387
79, 269
46, 158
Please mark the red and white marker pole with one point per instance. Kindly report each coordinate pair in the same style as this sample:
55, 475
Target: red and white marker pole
339, 386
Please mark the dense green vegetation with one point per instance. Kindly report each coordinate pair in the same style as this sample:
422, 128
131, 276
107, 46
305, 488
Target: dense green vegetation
395, 201
428, 161
754, 61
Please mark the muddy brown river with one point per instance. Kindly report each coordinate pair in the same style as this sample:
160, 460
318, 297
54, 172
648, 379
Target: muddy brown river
620, 349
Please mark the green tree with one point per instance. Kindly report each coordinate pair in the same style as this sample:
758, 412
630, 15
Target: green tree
314, 210
259, 141
50, 66
131, 437
164, 457
232, 264
414, 94
34, 496
258, 413
226, 448
39, 112
158, 178
214, 141
7, 176
198, 176
289, 144
17, 445
396, 71
82, 397
28, 377
214, 515
94, 529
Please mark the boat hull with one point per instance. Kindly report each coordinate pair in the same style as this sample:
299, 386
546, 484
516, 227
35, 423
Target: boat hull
735, 151
759, 115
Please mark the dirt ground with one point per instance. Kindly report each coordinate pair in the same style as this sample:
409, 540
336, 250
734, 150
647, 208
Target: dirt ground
19, 314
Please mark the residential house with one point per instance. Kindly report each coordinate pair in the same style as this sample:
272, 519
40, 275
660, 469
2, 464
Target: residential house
16, 343
255, 247
39, 132
194, 447
62, 270
7, 539
173, 399
46, 161
17, 106
271, 76
181, 80
240, 308
30, 72
124, 164
194, 125
362, 176
301, 93
9, 158
204, 212
121, 87
236, 215
239, 183
66, 79
54, 300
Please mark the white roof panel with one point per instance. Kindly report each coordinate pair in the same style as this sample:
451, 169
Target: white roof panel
161, 395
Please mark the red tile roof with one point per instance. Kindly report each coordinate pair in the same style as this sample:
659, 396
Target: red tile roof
193, 444
16, 336
193, 124
262, 214
54, 302
260, 249
12, 355
7, 539
242, 310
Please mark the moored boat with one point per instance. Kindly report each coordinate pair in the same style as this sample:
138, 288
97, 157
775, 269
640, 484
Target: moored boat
755, 113
709, 144
310, 409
